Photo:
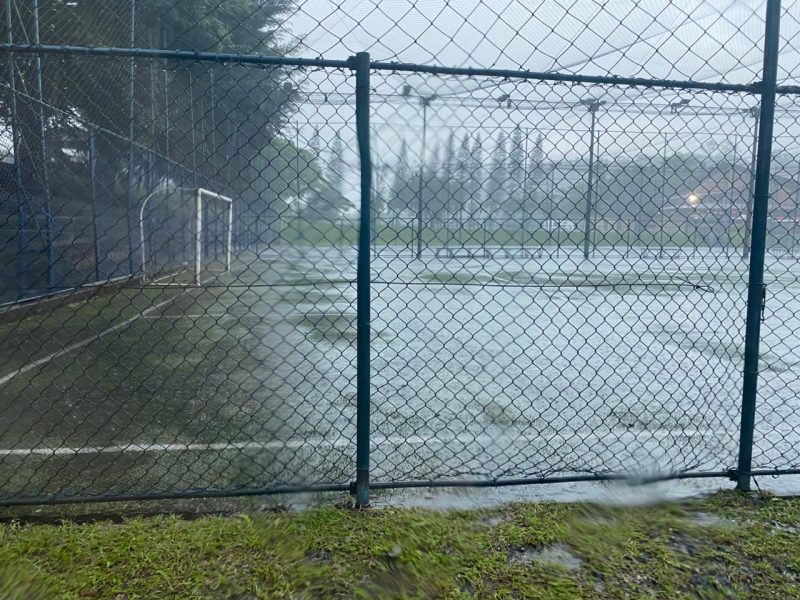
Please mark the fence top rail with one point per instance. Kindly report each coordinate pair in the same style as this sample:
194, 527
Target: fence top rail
187, 55
567, 77
260, 59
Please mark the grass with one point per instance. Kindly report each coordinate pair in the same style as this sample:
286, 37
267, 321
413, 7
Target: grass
726, 546
298, 232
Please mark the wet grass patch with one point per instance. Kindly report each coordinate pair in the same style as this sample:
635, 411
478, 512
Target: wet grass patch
747, 548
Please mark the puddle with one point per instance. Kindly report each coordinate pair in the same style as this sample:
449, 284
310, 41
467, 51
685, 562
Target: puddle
313, 296
497, 414
664, 285
555, 555
708, 520
684, 544
643, 417
729, 349
334, 326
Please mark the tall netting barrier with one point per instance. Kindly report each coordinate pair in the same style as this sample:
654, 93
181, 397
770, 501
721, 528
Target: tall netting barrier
178, 278
266, 246
776, 422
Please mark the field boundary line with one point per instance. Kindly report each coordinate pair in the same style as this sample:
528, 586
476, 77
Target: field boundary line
80, 344
293, 444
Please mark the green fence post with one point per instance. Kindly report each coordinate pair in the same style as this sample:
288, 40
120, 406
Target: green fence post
758, 244
361, 63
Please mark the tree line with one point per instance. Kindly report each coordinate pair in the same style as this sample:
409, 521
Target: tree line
154, 121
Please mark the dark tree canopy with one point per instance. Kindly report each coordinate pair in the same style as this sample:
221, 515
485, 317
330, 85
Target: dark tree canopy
215, 123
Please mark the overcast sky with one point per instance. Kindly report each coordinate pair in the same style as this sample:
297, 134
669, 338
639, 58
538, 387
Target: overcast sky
716, 40
705, 40
712, 40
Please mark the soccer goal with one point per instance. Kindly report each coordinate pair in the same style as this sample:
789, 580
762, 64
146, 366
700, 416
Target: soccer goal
186, 235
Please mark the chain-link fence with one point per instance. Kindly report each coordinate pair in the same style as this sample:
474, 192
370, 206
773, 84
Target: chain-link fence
230, 268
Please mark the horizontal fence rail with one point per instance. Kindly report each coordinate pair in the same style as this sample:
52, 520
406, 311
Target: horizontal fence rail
229, 271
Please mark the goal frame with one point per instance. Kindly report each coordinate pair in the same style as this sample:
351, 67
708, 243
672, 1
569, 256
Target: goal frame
199, 194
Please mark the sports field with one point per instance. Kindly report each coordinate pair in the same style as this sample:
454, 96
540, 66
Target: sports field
482, 367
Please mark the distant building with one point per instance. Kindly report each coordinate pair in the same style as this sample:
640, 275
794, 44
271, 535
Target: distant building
720, 200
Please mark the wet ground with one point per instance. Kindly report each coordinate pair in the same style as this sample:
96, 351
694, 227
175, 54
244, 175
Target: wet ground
481, 368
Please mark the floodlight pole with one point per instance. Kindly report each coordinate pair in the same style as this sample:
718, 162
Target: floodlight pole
663, 200
593, 106
131, 131
551, 188
93, 189
754, 112
425, 100
15, 141
526, 188
729, 211
48, 199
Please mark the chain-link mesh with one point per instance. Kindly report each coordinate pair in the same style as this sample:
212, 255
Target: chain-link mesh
177, 270
560, 251
692, 39
775, 445
509, 344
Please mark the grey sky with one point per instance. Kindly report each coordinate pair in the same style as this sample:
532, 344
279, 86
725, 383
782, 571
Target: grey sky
715, 40
711, 40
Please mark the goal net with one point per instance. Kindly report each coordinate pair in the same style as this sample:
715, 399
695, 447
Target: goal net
186, 236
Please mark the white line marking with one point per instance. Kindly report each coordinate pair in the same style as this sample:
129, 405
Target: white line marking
274, 317
46, 359
465, 438
189, 316
25, 302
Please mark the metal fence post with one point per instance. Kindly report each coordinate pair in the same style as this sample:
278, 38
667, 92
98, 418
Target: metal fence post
361, 62
593, 105
48, 197
131, 211
420, 186
758, 244
22, 246
754, 112
93, 187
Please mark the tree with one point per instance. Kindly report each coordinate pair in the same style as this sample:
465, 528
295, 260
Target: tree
496, 193
434, 190
235, 116
475, 180
517, 176
336, 165
535, 188
462, 178
327, 200
403, 191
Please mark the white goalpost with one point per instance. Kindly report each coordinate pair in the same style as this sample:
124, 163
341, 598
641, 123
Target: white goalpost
181, 233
